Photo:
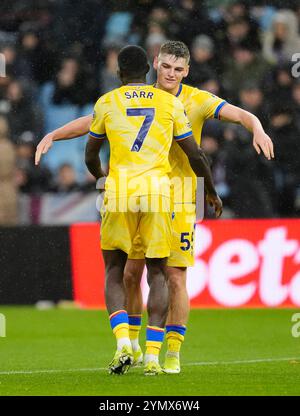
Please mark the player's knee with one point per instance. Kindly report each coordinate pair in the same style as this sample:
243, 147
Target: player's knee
131, 278
177, 281
156, 269
133, 273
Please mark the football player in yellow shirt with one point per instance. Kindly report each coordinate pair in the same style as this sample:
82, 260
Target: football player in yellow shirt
172, 65
139, 122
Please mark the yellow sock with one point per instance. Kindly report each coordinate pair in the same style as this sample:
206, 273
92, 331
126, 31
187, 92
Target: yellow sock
154, 339
120, 328
174, 340
121, 331
134, 331
153, 348
135, 322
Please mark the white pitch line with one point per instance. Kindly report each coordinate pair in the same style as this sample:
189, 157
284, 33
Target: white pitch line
68, 370
203, 363
259, 360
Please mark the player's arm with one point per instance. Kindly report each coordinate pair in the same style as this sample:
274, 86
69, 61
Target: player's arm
184, 137
92, 158
261, 141
75, 128
201, 168
97, 134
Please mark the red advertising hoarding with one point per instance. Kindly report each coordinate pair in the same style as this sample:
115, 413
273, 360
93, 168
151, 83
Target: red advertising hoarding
239, 263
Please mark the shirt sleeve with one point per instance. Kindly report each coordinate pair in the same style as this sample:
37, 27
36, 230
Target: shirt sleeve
209, 104
97, 129
182, 126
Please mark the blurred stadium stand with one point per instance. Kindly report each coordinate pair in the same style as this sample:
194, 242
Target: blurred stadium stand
59, 62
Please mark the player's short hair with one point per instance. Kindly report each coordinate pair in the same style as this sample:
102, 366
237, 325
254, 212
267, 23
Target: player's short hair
133, 61
176, 48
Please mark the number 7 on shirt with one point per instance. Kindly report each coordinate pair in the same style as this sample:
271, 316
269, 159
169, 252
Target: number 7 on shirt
148, 113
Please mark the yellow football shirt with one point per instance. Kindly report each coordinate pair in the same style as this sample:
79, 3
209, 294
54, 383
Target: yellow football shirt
139, 122
199, 106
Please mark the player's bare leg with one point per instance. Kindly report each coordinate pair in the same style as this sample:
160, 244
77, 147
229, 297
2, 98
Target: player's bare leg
179, 306
177, 317
158, 299
132, 281
134, 304
115, 261
157, 307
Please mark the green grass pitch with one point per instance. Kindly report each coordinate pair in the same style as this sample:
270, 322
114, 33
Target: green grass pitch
226, 352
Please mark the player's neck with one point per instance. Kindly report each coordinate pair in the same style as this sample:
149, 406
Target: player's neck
134, 81
173, 91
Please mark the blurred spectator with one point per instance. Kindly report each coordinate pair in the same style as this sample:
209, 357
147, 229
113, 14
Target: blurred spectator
29, 178
296, 103
65, 180
78, 22
161, 17
248, 176
285, 135
37, 60
251, 98
66, 83
8, 190
237, 29
245, 64
4, 82
12, 61
204, 63
212, 85
283, 39
263, 14
211, 145
109, 79
189, 19
153, 44
235, 10
71, 80
141, 10
21, 114
279, 87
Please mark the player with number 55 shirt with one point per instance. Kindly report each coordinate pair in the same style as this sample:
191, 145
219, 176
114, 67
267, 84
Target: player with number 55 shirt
199, 105
139, 122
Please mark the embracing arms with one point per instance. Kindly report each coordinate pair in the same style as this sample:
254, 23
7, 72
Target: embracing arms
75, 128
201, 168
261, 141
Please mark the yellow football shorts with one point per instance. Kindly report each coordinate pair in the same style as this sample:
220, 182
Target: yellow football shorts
125, 218
182, 247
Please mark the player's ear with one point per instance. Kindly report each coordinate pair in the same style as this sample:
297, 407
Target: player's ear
186, 71
155, 62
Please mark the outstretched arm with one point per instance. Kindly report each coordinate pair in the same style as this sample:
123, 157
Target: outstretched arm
92, 159
75, 128
201, 168
261, 141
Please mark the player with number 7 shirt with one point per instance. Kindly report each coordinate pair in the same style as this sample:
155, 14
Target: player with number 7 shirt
140, 123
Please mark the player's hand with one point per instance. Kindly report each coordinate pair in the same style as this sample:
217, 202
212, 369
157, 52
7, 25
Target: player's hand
261, 141
43, 147
215, 201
